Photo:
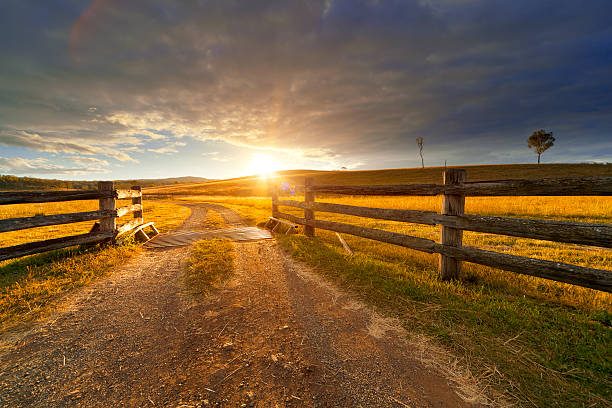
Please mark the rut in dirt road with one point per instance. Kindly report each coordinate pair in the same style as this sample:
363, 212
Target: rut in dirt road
274, 335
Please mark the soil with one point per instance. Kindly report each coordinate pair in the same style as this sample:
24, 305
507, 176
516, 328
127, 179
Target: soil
274, 335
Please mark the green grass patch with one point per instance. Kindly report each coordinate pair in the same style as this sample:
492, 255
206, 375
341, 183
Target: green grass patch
210, 263
540, 353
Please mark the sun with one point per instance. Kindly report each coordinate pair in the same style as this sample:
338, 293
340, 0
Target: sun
263, 165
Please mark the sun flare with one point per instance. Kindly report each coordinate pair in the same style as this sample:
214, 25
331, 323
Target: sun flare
263, 165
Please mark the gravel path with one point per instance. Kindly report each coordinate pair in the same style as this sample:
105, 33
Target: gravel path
274, 335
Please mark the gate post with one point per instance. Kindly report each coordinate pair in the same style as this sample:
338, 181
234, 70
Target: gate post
107, 204
274, 193
138, 215
309, 217
452, 204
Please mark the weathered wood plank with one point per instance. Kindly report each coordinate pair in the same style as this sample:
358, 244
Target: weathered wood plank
15, 224
309, 215
275, 201
344, 244
413, 216
292, 218
123, 194
107, 224
382, 190
452, 204
121, 211
283, 222
138, 213
25, 197
292, 203
130, 225
420, 244
560, 272
52, 244
558, 231
128, 233
582, 186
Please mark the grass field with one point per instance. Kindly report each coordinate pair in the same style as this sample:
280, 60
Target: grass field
29, 285
256, 186
540, 342
537, 342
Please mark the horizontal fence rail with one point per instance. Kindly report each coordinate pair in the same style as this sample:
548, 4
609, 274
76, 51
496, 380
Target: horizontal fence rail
583, 186
52, 244
27, 197
454, 221
15, 224
558, 231
106, 230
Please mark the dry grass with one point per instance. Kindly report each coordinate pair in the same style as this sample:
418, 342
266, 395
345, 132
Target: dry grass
256, 186
29, 285
209, 263
529, 338
213, 220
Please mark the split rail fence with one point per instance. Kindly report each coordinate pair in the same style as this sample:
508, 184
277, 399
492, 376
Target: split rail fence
454, 221
105, 231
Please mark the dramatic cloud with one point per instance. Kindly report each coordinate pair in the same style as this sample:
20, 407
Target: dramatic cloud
19, 165
339, 81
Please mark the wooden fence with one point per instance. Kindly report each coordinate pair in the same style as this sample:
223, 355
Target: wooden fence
454, 221
106, 214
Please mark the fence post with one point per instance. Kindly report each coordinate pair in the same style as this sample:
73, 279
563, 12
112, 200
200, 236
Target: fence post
450, 268
108, 223
274, 194
309, 198
138, 200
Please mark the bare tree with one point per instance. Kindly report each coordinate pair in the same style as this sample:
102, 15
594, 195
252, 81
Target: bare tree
541, 140
419, 141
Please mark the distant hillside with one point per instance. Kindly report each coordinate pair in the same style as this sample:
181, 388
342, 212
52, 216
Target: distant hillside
8, 183
257, 186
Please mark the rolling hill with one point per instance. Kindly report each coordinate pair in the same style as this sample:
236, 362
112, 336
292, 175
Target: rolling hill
257, 186
12, 183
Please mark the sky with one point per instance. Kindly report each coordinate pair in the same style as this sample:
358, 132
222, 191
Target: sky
109, 89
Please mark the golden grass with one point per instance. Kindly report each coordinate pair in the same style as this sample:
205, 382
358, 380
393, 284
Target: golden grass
536, 341
581, 209
209, 263
165, 215
30, 285
257, 186
214, 220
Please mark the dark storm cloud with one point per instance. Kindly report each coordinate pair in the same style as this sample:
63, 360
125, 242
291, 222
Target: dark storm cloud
335, 79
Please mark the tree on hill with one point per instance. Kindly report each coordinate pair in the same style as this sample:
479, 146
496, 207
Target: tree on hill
419, 141
541, 141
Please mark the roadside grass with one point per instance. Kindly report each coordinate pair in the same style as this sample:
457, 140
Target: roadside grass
534, 352
210, 263
30, 285
541, 343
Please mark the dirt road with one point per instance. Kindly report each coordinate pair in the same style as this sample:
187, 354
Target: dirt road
275, 335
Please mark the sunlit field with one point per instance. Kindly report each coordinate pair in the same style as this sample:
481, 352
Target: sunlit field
512, 330
166, 216
29, 285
